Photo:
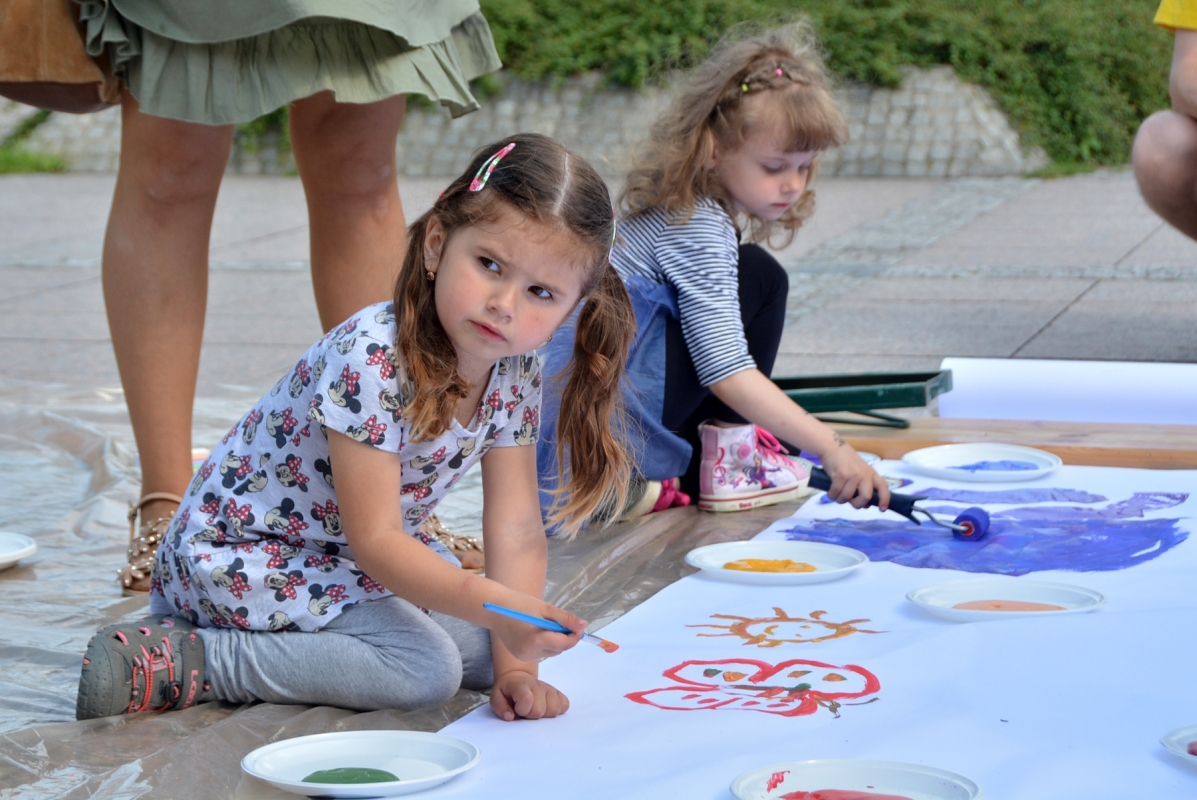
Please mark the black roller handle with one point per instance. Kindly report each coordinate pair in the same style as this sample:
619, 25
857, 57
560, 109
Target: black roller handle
901, 503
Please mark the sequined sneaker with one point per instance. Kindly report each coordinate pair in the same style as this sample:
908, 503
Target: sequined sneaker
156, 664
746, 467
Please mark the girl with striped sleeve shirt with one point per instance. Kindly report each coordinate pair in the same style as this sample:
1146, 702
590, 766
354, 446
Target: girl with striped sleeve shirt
731, 159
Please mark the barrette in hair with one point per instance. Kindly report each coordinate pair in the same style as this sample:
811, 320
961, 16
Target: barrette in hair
744, 88
488, 167
779, 72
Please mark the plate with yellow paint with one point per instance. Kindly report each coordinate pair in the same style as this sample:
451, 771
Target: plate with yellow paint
988, 599
776, 563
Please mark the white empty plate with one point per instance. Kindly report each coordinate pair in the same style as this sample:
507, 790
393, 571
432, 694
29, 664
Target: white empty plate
982, 462
942, 598
420, 761
830, 561
14, 547
1180, 740
913, 781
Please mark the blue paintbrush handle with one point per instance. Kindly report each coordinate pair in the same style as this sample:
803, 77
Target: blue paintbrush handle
539, 622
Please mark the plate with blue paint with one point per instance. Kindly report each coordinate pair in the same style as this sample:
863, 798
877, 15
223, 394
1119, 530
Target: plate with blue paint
982, 462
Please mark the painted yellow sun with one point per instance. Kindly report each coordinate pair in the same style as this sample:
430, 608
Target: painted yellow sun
783, 629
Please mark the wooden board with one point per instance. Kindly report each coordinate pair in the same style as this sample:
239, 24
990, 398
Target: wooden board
1082, 443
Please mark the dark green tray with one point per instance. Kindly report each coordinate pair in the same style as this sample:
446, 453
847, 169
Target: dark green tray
864, 393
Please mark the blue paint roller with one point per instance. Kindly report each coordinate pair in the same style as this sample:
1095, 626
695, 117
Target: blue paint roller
970, 525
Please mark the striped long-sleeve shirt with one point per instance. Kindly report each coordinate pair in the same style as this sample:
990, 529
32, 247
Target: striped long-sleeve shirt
700, 260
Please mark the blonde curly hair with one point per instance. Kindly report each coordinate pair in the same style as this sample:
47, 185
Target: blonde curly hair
673, 168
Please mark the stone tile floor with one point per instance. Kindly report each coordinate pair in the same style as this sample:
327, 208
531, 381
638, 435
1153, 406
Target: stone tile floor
889, 274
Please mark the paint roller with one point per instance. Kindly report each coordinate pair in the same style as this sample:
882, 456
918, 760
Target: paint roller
970, 525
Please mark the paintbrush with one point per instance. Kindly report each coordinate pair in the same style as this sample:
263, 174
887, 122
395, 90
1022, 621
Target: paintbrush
549, 625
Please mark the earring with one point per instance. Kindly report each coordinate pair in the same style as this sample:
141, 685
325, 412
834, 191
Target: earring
431, 275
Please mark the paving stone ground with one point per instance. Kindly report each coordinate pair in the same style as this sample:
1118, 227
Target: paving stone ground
890, 274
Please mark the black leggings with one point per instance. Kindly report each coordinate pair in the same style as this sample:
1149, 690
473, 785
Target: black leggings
763, 290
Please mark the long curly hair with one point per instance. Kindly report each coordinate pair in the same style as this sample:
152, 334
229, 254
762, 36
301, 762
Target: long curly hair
542, 180
673, 167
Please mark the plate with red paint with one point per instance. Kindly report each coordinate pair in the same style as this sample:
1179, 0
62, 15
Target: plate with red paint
1182, 742
853, 779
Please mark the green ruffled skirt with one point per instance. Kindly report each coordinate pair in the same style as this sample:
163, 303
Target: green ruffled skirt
231, 61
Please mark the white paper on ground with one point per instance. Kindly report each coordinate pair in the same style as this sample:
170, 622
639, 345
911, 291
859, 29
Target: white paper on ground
1052, 708
1071, 391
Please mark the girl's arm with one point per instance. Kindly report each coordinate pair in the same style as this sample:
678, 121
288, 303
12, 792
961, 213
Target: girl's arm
516, 556
368, 482
754, 397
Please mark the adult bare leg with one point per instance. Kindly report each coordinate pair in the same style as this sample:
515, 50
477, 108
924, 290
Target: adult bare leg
346, 158
155, 277
1165, 160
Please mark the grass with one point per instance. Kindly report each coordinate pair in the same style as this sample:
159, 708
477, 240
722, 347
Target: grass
1074, 76
16, 159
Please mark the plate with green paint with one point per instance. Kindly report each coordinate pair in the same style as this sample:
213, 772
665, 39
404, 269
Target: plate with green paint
361, 763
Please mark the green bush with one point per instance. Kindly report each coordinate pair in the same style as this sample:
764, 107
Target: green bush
18, 159
1075, 76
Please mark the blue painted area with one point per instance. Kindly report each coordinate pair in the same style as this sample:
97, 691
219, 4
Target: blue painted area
1010, 496
998, 466
1021, 540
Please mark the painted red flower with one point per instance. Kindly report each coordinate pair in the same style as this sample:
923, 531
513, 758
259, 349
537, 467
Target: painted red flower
794, 688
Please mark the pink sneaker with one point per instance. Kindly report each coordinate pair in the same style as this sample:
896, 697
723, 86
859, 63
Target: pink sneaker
746, 467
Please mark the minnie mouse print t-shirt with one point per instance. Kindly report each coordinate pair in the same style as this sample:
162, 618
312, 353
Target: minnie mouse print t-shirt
257, 543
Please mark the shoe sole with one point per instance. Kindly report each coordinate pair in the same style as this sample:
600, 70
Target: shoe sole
102, 670
707, 502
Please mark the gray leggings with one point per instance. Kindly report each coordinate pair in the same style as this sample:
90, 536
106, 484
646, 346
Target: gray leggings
377, 654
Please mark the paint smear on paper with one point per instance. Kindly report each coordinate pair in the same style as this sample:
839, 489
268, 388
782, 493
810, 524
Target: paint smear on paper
740, 684
781, 629
769, 565
1007, 605
840, 794
998, 466
1193, 748
1022, 539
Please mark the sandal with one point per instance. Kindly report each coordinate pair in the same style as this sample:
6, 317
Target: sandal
156, 664
468, 549
143, 545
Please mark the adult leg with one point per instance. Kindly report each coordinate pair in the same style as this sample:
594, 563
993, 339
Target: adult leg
1165, 160
155, 277
346, 158
377, 654
763, 287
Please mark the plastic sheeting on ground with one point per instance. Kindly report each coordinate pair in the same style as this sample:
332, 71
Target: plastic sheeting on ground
67, 473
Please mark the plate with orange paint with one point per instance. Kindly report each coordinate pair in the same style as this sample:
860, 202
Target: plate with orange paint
988, 599
776, 563
852, 779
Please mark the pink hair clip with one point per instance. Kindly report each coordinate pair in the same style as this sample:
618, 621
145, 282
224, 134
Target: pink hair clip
488, 167
779, 72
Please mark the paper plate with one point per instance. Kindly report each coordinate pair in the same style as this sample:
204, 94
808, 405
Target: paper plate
830, 561
14, 547
982, 462
1178, 742
420, 760
914, 781
940, 598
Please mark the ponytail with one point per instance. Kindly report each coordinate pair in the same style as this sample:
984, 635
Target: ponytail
591, 418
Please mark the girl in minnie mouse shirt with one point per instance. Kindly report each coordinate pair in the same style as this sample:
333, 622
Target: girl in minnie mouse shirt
294, 571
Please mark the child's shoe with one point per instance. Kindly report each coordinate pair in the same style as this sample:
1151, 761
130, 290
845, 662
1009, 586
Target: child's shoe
745, 467
156, 664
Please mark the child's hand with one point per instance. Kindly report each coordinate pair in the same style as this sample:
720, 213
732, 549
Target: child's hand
852, 480
530, 643
521, 694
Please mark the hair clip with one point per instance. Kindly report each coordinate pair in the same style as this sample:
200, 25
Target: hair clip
779, 72
488, 167
744, 88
